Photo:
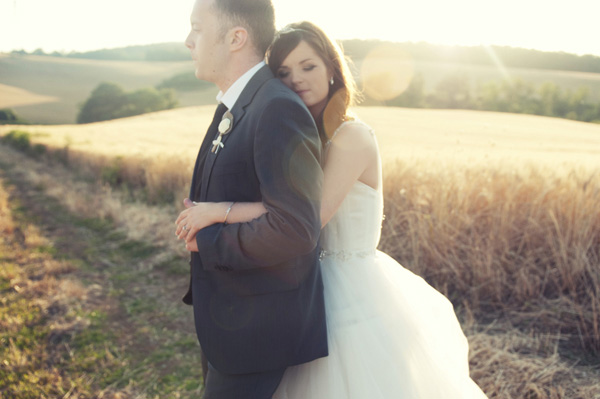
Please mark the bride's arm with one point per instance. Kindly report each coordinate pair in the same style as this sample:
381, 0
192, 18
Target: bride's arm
202, 214
352, 156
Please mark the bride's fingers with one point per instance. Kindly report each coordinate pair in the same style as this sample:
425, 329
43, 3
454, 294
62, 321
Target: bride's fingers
183, 235
182, 231
192, 234
181, 216
181, 226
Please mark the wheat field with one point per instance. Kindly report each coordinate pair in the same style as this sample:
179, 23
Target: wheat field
500, 212
407, 134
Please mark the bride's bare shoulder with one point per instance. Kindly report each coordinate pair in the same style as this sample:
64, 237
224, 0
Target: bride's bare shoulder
353, 130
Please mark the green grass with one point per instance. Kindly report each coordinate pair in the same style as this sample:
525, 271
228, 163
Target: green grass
132, 337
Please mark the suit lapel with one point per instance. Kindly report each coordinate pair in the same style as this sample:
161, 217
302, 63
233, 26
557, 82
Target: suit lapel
201, 158
238, 111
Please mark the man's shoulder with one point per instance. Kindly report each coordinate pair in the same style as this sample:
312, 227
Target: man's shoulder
274, 89
274, 97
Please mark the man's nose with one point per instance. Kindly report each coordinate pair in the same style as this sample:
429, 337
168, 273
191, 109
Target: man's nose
188, 42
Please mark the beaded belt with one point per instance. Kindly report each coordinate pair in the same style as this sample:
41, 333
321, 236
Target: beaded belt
346, 254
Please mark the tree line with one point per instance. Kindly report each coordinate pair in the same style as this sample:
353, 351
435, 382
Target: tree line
515, 96
511, 57
109, 101
357, 49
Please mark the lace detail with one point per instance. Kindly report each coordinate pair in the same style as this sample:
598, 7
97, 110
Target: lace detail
344, 255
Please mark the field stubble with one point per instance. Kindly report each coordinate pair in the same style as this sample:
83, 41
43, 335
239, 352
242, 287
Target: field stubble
515, 246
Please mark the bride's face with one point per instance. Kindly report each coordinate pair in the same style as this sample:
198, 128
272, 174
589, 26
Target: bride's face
305, 72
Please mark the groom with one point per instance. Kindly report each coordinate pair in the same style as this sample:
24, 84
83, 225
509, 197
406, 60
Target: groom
256, 287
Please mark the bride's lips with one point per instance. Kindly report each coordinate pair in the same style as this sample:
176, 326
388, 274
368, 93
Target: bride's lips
301, 92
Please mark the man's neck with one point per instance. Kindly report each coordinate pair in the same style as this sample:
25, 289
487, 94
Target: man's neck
236, 68
234, 91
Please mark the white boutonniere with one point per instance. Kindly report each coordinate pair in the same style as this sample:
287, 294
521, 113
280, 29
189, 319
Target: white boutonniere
225, 127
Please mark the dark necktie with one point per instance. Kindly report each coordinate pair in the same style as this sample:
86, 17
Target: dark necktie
211, 134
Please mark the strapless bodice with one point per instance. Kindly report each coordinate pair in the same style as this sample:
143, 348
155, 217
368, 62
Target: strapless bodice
356, 226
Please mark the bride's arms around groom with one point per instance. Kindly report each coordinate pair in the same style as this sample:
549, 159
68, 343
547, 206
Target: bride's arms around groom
352, 156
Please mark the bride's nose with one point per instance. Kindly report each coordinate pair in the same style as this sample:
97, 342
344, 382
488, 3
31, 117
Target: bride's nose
296, 78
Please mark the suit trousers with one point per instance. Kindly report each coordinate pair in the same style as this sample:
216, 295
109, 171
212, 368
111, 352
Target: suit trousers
241, 386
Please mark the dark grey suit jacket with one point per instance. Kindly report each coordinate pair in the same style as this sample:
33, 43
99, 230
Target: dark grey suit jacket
256, 287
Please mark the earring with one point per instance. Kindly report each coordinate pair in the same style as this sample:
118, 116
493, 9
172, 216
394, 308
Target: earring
331, 81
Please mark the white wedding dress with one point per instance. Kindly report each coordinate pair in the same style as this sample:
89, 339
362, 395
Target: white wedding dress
390, 334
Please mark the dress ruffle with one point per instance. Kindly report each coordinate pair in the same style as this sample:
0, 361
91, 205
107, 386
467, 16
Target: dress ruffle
391, 335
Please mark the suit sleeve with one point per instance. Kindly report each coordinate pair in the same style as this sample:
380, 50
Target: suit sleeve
287, 154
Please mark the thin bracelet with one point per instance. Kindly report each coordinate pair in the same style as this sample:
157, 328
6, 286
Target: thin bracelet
227, 213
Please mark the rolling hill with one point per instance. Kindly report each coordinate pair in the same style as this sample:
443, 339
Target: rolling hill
49, 90
433, 135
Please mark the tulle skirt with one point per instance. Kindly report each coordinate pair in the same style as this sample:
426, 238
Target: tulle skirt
391, 335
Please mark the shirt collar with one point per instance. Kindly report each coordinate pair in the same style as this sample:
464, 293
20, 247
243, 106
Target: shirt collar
235, 90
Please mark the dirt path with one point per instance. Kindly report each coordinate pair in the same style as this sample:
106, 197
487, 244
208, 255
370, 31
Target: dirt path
87, 312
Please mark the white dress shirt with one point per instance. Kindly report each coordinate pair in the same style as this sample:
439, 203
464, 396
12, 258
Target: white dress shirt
233, 93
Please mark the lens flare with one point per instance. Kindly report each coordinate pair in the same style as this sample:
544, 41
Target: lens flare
386, 72
497, 62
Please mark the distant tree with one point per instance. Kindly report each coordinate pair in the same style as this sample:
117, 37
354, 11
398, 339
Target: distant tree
510, 96
413, 96
185, 81
489, 97
146, 100
553, 100
9, 117
520, 97
104, 102
452, 92
109, 101
580, 106
151, 52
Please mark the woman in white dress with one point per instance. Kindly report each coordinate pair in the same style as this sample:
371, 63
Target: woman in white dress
390, 334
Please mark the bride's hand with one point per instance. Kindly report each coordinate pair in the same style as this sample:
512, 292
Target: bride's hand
196, 217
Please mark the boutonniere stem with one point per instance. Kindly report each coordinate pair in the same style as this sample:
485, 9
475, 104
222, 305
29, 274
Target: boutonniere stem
225, 127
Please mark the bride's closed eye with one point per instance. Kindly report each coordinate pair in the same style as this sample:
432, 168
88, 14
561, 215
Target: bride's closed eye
282, 74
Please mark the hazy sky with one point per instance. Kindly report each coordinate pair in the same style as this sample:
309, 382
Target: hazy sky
81, 25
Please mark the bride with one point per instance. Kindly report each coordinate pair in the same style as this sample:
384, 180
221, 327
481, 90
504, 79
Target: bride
390, 334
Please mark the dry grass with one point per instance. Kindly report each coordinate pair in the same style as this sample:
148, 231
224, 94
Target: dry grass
42, 306
407, 134
11, 96
515, 245
508, 363
80, 316
503, 240
514, 348
90, 198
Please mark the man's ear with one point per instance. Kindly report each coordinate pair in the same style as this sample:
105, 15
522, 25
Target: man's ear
238, 37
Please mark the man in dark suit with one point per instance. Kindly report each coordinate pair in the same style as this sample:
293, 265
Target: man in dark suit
256, 287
